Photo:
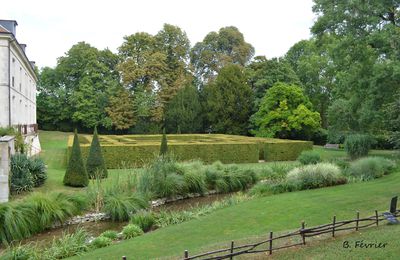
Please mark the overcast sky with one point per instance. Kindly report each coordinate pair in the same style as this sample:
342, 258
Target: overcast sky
51, 27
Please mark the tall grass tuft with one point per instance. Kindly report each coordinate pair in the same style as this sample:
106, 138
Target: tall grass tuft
144, 219
121, 205
369, 168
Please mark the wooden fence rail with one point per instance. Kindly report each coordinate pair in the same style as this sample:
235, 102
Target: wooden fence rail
303, 233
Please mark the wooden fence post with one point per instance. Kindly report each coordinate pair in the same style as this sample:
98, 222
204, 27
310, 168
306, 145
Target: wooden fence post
186, 254
270, 242
333, 225
377, 218
358, 217
232, 246
124, 258
303, 236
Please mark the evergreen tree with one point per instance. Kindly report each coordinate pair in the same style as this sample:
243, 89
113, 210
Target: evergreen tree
164, 145
95, 165
76, 175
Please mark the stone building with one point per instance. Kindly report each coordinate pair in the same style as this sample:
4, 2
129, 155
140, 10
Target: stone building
17, 87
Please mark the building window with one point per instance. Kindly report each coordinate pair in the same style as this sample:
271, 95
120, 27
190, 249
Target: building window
20, 87
12, 81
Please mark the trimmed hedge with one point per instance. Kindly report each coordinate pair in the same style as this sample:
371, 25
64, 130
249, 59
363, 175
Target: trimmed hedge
138, 150
285, 151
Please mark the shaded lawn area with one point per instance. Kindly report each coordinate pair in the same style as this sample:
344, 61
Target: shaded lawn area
333, 248
256, 218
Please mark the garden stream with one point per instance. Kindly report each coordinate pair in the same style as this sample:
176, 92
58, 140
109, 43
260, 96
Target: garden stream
96, 228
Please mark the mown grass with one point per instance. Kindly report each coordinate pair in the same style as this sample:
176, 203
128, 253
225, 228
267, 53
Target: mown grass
333, 248
256, 218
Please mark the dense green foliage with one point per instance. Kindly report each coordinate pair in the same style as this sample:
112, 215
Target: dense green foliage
26, 173
285, 112
285, 151
95, 166
131, 231
229, 101
101, 241
111, 234
76, 174
357, 145
309, 157
143, 219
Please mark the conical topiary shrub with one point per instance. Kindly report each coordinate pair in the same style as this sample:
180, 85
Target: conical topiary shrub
164, 145
95, 165
76, 175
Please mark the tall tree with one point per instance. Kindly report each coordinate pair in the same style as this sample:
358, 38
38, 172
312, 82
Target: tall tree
285, 112
229, 101
217, 50
184, 112
120, 110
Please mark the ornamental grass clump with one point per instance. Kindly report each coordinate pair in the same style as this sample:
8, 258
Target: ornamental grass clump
144, 219
76, 175
101, 241
369, 168
95, 165
111, 234
315, 176
357, 145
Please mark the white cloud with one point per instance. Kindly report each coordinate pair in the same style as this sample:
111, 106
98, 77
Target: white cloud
50, 27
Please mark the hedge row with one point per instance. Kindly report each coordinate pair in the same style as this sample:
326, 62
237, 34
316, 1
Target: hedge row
137, 150
285, 151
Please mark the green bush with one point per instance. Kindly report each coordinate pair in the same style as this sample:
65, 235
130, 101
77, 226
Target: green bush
111, 234
315, 176
95, 165
143, 219
267, 188
21, 177
369, 168
285, 151
76, 175
101, 241
309, 157
131, 231
357, 145
21, 252
6, 131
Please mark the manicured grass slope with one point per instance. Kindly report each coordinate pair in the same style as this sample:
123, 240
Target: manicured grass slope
333, 248
257, 217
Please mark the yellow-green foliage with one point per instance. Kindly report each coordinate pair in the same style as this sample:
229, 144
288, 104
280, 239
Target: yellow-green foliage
137, 150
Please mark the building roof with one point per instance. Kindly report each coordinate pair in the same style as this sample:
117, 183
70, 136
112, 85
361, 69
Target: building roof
3, 30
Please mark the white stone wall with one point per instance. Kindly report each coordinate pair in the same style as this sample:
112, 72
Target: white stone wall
3, 82
23, 87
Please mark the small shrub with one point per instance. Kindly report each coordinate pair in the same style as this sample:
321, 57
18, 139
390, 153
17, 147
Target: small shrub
76, 175
111, 234
195, 182
309, 157
143, 219
267, 188
101, 241
265, 173
315, 176
357, 145
369, 168
21, 252
131, 231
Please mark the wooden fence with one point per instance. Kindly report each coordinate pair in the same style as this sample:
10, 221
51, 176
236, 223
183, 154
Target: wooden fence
302, 233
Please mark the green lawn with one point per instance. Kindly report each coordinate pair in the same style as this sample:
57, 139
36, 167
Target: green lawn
348, 246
